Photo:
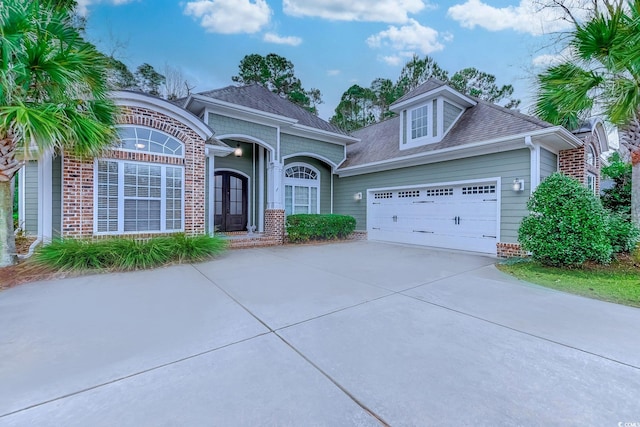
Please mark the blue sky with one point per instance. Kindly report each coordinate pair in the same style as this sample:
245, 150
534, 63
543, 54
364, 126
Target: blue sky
332, 43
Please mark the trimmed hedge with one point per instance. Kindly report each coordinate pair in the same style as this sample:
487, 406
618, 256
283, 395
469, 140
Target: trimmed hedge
305, 227
120, 253
623, 234
567, 224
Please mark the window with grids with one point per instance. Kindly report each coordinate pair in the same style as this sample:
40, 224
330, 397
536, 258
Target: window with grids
138, 197
420, 122
136, 138
301, 190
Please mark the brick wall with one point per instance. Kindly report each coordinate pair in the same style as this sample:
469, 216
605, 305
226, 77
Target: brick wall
78, 184
274, 224
572, 163
77, 197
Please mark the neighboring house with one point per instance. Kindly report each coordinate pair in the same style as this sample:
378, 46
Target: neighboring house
441, 173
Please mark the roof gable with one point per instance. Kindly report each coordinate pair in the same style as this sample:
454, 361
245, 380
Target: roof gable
259, 98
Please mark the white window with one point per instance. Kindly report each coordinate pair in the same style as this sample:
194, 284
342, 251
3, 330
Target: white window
138, 197
136, 138
591, 182
591, 155
301, 189
420, 122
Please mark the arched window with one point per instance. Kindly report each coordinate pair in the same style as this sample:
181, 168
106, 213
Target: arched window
301, 189
591, 155
146, 140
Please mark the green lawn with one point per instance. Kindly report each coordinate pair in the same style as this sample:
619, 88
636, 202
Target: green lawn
618, 282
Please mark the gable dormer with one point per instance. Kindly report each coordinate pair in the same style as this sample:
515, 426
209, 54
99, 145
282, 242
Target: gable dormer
428, 112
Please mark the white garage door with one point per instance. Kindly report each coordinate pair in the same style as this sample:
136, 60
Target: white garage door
462, 216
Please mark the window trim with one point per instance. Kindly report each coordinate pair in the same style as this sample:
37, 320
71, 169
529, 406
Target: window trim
301, 182
121, 198
126, 150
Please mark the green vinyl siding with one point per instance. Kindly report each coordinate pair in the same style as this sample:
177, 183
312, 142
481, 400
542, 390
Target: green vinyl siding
507, 165
56, 199
291, 145
223, 125
548, 163
325, 179
451, 112
30, 197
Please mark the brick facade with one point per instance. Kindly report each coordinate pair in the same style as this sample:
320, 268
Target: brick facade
510, 250
78, 182
572, 163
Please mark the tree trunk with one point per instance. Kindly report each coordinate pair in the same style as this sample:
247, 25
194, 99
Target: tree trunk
8, 168
8, 254
630, 138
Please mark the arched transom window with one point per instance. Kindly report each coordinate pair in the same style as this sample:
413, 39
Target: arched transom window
301, 189
146, 140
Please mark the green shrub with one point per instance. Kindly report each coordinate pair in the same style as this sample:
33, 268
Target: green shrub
623, 234
305, 227
567, 224
127, 253
617, 198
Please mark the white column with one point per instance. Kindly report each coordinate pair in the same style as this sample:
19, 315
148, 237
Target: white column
261, 189
275, 190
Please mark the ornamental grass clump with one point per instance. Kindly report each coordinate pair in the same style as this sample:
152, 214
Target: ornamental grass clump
125, 254
567, 224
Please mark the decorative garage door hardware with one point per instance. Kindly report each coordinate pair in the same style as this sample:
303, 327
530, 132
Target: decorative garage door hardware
425, 201
456, 220
423, 231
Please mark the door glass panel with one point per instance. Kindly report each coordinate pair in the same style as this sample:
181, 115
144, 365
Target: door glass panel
217, 209
235, 196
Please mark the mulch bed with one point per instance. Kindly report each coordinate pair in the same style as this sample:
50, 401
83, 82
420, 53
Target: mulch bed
26, 271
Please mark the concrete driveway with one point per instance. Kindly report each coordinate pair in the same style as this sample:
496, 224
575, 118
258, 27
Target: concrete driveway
355, 333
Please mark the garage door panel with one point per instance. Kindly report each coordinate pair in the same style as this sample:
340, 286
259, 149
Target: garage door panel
463, 216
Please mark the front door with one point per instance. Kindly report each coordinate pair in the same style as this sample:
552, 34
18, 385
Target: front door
230, 204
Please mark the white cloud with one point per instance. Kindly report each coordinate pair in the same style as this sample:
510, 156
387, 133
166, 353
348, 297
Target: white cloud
274, 38
83, 5
549, 60
395, 11
411, 37
333, 72
392, 59
528, 17
230, 16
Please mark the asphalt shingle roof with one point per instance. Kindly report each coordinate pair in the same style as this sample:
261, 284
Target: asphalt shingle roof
262, 99
482, 122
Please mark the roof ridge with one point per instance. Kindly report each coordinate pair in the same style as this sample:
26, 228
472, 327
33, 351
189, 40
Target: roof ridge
514, 113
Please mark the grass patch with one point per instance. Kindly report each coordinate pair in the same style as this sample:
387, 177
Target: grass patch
125, 254
618, 282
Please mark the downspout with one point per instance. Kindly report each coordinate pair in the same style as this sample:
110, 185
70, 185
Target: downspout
535, 163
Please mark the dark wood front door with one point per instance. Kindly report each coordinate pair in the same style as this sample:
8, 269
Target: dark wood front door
230, 205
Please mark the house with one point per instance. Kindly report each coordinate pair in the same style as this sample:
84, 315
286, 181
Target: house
448, 171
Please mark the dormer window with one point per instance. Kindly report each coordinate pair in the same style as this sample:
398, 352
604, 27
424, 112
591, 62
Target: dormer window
420, 122
428, 122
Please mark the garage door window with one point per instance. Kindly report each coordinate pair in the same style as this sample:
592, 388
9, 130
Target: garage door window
301, 190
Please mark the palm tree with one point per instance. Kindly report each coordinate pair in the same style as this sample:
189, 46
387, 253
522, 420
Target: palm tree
601, 77
53, 96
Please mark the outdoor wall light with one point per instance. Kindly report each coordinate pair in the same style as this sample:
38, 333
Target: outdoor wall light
518, 185
238, 151
358, 196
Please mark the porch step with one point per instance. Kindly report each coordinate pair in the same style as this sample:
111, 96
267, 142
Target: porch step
241, 240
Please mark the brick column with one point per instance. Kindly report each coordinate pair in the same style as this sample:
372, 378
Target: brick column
274, 224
